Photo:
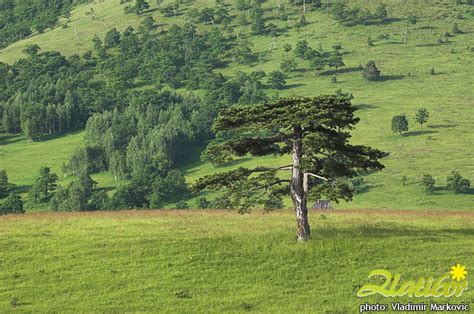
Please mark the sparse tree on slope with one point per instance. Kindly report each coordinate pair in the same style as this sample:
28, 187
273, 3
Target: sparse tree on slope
399, 124
421, 116
314, 131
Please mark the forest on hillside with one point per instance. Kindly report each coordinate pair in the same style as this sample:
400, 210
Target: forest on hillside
21, 19
147, 96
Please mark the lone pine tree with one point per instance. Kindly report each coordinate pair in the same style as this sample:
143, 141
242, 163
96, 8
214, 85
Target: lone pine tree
314, 131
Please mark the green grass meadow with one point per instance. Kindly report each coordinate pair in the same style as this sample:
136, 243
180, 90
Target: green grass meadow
219, 261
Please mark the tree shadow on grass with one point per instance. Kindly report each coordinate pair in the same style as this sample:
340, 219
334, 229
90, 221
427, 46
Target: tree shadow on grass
294, 85
384, 78
419, 132
366, 188
364, 106
341, 71
10, 139
423, 234
20, 189
442, 126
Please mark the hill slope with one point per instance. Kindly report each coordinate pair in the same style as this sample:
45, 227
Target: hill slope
443, 145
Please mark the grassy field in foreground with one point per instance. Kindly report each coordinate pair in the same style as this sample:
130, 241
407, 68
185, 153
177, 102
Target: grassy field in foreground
215, 261
443, 145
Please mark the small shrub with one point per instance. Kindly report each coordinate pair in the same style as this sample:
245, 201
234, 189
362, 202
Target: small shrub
428, 182
13, 301
456, 29
371, 72
334, 79
370, 42
246, 306
182, 205
182, 294
458, 184
432, 71
13, 204
203, 202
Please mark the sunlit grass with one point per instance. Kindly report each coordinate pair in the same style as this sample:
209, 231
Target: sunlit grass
219, 261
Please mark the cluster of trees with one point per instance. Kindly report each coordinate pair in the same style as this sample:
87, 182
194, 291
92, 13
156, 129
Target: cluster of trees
455, 182
400, 122
47, 93
218, 15
19, 19
139, 7
350, 16
13, 204
318, 58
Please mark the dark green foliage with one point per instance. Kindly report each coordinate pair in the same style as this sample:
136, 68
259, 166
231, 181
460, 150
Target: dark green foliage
432, 71
44, 184
243, 53
370, 42
456, 183
412, 19
301, 48
428, 183
288, 65
167, 189
270, 128
75, 197
456, 29
131, 195
89, 158
18, 19
273, 203
13, 204
203, 202
4, 185
148, 23
47, 93
257, 19
371, 72
421, 116
181, 205
140, 6
277, 79
358, 184
355, 15
302, 21
399, 124
112, 38
242, 5
169, 10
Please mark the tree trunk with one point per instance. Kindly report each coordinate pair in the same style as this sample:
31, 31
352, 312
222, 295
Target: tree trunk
297, 188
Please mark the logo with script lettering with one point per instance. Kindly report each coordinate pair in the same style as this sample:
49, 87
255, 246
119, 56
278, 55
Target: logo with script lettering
450, 284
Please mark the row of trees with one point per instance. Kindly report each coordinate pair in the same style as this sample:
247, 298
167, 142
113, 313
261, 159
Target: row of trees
454, 182
350, 16
400, 122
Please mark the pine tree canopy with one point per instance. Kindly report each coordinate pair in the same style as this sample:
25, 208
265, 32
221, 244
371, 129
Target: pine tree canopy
315, 131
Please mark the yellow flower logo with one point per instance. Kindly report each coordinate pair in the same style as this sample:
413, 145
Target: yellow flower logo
458, 272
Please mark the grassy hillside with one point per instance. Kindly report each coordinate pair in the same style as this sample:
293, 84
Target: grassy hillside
443, 145
217, 261
22, 160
